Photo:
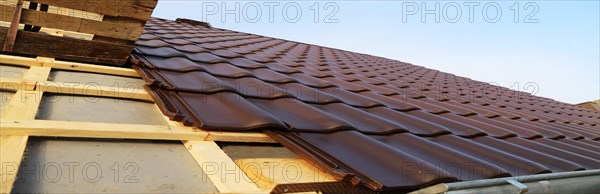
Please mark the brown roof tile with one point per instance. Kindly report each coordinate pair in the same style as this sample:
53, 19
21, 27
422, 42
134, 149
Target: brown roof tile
381, 123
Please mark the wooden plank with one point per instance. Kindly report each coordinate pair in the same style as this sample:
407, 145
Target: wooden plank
29, 80
48, 128
72, 66
23, 105
269, 172
64, 65
217, 165
239, 137
131, 30
17, 84
38, 74
69, 48
20, 61
60, 10
93, 90
75, 13
219, 168
12, 148
69, 34
137, 9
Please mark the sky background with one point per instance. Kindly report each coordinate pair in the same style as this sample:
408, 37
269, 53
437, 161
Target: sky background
554, 44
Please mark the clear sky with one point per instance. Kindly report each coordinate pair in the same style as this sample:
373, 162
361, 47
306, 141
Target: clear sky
555, 44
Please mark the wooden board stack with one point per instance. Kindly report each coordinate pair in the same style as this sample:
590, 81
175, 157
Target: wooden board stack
113, 27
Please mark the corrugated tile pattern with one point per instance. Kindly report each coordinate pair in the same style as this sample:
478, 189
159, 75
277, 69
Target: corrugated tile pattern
381, 123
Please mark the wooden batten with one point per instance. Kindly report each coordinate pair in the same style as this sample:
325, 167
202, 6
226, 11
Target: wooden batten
269, 172
43, 128
114, 26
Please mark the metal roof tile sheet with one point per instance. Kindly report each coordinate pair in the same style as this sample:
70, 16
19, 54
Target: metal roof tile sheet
376, 122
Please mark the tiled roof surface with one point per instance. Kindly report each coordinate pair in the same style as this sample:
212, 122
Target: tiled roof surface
381, 123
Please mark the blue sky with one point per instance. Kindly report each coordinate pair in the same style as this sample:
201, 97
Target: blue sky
554, 44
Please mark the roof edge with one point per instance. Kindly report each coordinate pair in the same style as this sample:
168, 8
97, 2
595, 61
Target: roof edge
564, 182
193, 22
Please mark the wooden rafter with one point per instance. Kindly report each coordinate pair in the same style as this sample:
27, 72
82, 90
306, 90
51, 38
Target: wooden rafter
23, 106
217, 165
227, 176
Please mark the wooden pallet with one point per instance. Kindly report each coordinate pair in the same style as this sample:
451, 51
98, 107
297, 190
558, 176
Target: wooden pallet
112, 27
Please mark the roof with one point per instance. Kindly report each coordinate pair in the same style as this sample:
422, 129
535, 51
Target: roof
376, 122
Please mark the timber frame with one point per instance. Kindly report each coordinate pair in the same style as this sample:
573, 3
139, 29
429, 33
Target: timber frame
18, 120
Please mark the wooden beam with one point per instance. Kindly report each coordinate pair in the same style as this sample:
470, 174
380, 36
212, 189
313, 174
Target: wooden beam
127, 31
20, 61
17, 84
47, 128
38, 74
217, 165
70, 34
137, 9
269, 172
69, 48
219, 168
35, 76
93, 90
23, 105
72, 66
239, 137
64, 65
12, 148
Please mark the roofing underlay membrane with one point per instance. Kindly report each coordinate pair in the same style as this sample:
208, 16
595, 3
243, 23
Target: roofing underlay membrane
374, 122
